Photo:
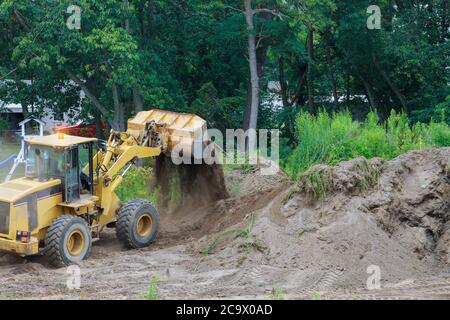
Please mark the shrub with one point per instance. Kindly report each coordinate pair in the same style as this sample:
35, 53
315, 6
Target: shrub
325, 139
322, 139
135, 185
4, 124
439, 133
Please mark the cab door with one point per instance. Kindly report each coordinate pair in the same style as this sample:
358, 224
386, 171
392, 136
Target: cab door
72, 179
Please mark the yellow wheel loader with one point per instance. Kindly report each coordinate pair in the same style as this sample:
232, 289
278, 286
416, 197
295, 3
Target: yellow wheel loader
61, 205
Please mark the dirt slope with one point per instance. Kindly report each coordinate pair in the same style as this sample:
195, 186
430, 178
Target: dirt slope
271, 234
400, 224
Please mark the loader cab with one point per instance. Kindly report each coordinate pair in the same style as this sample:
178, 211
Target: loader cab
62, 157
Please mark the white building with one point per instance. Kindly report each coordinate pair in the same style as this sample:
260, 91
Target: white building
15, 110
15, 115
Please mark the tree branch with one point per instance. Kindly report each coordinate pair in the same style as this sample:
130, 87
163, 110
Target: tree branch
391, 85
88, 93
21, 20
300, 83
269, 11
233, 8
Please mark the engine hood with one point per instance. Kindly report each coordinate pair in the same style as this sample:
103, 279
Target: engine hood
18, 189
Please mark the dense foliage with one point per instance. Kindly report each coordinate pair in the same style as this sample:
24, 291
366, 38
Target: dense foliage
328, 139
196, 56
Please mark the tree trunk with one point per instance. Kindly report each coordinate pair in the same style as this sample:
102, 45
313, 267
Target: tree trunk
25, 111
254, 79
332, 77
126, 7
248, 104
23, 103
150, 17
302, 74
310, 48
137, 97
99, 126
119, 116
368, 88
400, 6
286, 97
100, 133
369, 92
261, 57
347, 91
283, 84
89, 93
391, 85
137, 100
140, 17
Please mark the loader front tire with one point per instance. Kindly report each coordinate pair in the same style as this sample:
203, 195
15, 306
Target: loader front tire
137, 224
68, 241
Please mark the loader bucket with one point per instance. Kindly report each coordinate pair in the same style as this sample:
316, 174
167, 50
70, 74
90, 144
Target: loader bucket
170, 130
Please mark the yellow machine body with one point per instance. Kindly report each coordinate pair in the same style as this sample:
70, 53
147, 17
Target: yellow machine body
180, 130
30, 205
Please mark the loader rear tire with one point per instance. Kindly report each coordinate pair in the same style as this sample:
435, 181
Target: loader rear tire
68, 241
137, 224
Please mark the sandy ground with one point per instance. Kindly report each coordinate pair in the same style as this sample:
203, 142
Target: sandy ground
271, 237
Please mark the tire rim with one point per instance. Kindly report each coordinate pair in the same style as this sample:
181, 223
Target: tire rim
75, 243
144, 225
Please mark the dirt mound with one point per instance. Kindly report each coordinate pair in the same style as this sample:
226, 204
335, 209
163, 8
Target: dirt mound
326, 231
249, 191
314, 239
412, 203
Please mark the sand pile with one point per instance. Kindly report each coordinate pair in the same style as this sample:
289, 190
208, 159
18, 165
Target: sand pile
270, 233
336, 222
246, 191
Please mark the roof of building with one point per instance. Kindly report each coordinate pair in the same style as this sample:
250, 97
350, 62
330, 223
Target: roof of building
59, 140
26, 120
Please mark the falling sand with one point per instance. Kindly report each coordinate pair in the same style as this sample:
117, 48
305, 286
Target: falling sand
187, 186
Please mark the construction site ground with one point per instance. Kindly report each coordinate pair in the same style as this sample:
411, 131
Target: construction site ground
270, 239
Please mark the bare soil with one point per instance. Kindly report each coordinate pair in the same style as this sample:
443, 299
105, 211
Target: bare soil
270, 235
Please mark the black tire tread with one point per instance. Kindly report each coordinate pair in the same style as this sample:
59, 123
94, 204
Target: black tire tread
125, 221
53, 239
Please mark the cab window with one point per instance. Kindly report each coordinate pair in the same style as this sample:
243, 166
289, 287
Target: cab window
44, 163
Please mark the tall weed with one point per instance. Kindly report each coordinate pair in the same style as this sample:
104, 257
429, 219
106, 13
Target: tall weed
325, 139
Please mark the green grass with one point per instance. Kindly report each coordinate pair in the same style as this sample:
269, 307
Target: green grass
277, 293
247, 229
207, 250
7, 297
316, 182
243, 232
325, 139
152, 290
254, 245
306, 230
315, 295
368, 173
7, 150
